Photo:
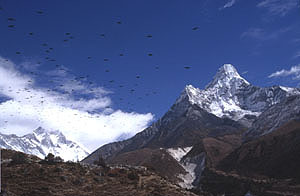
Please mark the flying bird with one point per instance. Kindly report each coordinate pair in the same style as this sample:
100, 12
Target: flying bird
149, 36
105, 59
30, 33
11, 19
11, 26
67, 33
150, 54
39, 12
187, 67
195, 28
119, 22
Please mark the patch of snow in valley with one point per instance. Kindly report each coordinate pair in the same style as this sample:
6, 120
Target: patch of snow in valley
178, 153
188, 165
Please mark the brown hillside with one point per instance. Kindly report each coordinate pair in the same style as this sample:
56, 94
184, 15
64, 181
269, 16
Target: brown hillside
24, 175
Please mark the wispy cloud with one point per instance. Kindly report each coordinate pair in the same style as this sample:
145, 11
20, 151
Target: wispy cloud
297, 55
87, 119
297, 40
293, 71
261, 34
278, 7
229, 4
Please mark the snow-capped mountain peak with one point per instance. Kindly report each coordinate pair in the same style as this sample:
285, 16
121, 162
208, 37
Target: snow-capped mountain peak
229, 95
227, 76
41, 142
221, 95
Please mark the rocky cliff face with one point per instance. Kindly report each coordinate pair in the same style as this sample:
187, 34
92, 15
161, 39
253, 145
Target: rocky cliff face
277, 115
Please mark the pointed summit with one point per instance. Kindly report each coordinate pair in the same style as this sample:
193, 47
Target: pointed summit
228, 70
39, 131
227, 76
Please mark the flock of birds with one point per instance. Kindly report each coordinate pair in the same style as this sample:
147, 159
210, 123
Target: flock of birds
58, 84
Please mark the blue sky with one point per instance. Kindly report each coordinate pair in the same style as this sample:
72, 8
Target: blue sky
100, 49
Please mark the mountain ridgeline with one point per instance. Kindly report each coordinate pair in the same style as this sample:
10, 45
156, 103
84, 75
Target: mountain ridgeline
229, 134
41, 142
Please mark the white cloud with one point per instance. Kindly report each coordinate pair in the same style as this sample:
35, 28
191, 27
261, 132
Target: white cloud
297, 55
228, 4
278, 7
294, 71
29, 106
261, 34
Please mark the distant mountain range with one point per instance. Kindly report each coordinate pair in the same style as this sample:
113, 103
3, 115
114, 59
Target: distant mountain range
231, 138
41, 142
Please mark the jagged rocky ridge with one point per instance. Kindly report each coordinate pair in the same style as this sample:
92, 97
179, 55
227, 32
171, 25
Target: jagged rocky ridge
41, 142
212, 123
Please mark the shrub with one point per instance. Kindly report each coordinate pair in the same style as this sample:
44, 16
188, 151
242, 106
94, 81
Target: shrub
100, 162
19, 158
51, 159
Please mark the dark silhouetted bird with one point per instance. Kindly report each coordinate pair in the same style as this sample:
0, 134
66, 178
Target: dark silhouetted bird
150, 54
102, 35
30, 33
121, 54
195, 28
149, 36
119, 22
11, 26
39, 12
187, 67
68, 33
105, 59
18, 52
11, 19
